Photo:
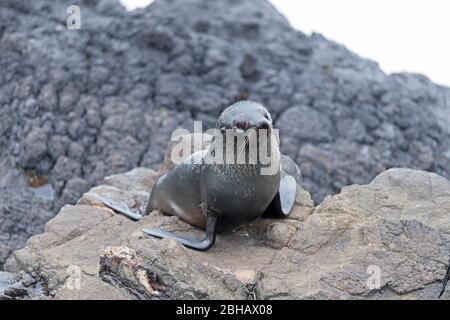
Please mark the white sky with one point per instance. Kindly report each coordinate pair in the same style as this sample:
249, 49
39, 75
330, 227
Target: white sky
401, 35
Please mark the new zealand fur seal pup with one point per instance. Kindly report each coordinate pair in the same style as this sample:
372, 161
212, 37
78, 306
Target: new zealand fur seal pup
231, 183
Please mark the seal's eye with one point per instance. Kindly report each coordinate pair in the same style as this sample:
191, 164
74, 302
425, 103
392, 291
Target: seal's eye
266, 115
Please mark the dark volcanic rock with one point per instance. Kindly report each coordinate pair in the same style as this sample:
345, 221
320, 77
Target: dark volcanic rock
22, 215
19, 286
82, 104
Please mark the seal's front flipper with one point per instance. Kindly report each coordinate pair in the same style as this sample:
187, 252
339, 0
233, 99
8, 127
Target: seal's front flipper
122, 207
194, 243
286, 194
284, 201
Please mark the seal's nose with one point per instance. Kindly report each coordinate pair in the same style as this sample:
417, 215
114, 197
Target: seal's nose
241, 125
245, 124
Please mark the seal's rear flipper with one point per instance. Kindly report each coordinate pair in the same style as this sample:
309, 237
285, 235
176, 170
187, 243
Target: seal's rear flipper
283, 202
194, 243
122, 207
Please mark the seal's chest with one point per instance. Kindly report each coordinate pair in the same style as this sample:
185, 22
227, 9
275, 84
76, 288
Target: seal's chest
241, 201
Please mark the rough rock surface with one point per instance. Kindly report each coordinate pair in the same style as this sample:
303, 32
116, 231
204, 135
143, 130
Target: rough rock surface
20, 286
386, 240
77, 105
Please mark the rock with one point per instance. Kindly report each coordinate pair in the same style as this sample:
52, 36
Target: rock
307, 124
73, 190
64, 169
137, 179
14, 292
304, 205
127, 80
19, 287
400, 194
28, 281
279, 234
22, 215
123, 264
34, 148
247, 276
171, 274
385, 240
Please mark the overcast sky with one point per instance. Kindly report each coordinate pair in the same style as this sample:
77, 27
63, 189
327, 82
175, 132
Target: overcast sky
401, 35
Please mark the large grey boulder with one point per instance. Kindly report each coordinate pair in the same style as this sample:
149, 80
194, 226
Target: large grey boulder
385, 240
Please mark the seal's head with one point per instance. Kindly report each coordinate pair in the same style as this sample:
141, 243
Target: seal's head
245, 132
244, 115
